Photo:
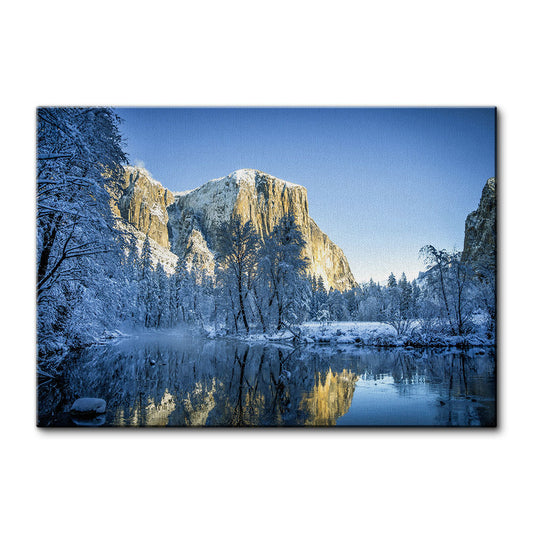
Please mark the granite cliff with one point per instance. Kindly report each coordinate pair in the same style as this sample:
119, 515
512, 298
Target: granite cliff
480, 231
187, 224
143, 202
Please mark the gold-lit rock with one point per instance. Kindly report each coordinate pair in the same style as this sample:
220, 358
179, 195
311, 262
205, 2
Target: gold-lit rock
330, 398
199, 403
188, 224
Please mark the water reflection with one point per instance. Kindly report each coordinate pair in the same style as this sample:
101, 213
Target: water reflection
330, 397
164, 380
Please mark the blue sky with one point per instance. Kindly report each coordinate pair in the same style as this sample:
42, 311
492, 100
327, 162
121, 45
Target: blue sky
381, 182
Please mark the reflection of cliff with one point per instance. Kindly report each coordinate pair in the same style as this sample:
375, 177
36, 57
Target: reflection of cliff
153, 414
199, 404
198, 382
330, 398
157, 414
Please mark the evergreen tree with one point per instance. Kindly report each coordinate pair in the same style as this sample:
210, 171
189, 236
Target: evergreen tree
146, 258
397, 309
406, 304
337, 306
319, 299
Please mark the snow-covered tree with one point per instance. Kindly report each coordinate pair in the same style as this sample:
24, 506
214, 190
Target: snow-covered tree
228, 311
450, 283
285, 289
484, 279
370, 304
352, 302
337, 306
79, 154
145, 262
239, 246
79, 158
319, 298
398, 309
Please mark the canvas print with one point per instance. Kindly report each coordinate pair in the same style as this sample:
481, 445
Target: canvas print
223, 267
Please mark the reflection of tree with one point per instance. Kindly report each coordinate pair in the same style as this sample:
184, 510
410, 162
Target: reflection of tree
188, 382
463, 404
263, 391
248, 407
238, 418
279, 387
404, 367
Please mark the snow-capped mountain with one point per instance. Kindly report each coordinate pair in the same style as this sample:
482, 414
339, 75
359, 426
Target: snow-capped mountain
188, 224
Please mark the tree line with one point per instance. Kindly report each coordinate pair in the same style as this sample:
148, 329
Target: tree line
262, 286
258, 284
451, 297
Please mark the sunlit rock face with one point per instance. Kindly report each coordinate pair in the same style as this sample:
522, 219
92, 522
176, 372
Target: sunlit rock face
330, 398
328, 260
190, 223
480, 230
143, 203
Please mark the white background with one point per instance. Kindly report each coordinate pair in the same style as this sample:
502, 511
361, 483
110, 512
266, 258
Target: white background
277, 53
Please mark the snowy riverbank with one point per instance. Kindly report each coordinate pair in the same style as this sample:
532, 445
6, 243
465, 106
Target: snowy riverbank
361, 334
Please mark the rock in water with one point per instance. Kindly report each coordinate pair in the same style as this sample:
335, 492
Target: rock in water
88, 407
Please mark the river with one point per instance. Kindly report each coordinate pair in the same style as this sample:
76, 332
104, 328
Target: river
182, 380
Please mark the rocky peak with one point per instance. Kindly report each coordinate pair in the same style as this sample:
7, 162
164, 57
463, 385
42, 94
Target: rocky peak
480, 230
189, 223
143, 203
251, 194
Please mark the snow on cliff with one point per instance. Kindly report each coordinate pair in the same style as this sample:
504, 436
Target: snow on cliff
183, 219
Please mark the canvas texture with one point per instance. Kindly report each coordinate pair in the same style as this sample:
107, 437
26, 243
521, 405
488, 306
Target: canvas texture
252, 267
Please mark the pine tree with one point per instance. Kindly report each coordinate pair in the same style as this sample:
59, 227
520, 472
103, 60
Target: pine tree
319, 298
406, 306
146, 258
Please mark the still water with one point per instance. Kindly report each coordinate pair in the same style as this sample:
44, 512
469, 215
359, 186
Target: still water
180, 380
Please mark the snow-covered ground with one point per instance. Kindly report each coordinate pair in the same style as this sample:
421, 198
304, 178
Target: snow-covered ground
380, 334
361, 334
